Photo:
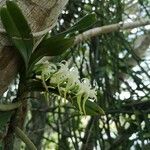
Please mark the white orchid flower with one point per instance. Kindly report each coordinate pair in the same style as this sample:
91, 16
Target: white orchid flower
67, 80
85, 91
47, 70
61, 75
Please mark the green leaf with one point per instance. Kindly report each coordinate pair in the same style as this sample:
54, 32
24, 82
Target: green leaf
18, 29
83, 23
58, 44
91, 108
52, 46
10, 106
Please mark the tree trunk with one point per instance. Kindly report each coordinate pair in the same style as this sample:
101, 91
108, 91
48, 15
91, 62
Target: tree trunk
41, 16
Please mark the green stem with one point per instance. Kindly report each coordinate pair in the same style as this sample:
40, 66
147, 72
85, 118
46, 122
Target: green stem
9, 107
25, 139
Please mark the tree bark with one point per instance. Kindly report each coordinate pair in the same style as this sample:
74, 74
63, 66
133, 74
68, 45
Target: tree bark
41, 16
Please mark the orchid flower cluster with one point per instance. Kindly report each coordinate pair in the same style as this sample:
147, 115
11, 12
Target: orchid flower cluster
67, 80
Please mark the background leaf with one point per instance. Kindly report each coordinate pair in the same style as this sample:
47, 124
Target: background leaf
91, 108
84, 23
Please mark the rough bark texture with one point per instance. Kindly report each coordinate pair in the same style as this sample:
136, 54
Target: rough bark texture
9, 64
41, 15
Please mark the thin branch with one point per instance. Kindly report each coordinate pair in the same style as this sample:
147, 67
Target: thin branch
109, 28
95, 31
25, 139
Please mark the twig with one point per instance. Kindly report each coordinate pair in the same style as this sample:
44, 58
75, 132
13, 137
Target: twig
25, 139
109, 28
95, 31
